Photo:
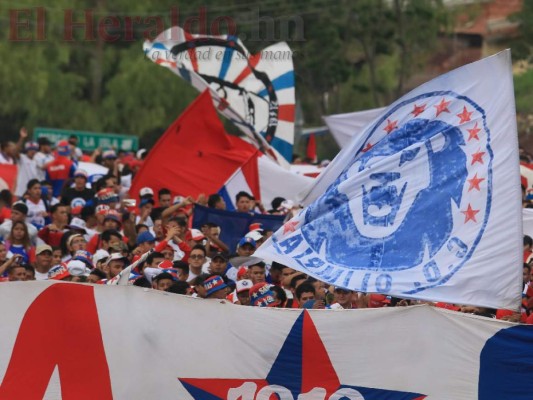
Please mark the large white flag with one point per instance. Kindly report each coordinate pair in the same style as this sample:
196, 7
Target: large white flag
344, 127
130, 343
426, 203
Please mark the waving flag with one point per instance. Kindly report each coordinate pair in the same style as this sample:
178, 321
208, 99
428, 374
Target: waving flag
426, 203
8, 176
100, 350
344, 127
265, 180
256, 92
195, 155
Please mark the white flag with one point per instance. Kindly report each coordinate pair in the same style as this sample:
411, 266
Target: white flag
126, 343
426, 203
344, 127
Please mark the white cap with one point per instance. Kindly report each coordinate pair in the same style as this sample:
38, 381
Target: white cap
145, 191
197, 235
100, 255
242, 285
77, 268
255, 235
178, 199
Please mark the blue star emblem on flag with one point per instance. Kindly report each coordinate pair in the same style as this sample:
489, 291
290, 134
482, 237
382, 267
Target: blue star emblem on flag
302, 370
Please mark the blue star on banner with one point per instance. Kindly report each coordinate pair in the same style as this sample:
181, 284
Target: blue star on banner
302, 367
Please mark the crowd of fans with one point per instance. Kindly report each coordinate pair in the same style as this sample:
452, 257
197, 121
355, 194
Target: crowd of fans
60, 224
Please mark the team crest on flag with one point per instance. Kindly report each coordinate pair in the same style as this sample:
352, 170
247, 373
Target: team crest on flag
420, 201
402, 205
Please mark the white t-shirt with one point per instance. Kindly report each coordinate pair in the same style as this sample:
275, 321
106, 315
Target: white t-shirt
34, 212
27, 170
39, 276
41, 159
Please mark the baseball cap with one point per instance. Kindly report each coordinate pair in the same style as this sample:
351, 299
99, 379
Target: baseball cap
100, 255
145, 237
85, 257
42, 248
102, 209
219, 254
241, 272
58, 272
255, 235
214, 284
106, 196
243, 285
197, 235
256, 226
80, 172
77, 224
378, 300
31, 146
163, 275
72, 237
116, 256
262, 296
247, 240
114, 215
146, 191
145, 201
63, 148
109, 154
77, 268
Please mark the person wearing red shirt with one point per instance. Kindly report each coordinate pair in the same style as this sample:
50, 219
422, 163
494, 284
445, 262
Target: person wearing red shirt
61, 169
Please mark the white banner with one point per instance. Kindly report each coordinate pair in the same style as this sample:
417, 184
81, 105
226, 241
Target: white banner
426, 203
103, 342
344, 127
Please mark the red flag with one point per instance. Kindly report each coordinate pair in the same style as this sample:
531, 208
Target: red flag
195, 155
311, 149
8, 176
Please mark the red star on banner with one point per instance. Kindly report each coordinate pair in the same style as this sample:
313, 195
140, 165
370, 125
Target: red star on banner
465, 115
391, 125
470, 214
442, 107
417, 110
473, 132
290, 226
367, 147
474, 182
477, 157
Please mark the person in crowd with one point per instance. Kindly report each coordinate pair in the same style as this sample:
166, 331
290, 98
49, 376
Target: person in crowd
26, 164
197, 259
43, 261
43, 157
163, 281
8, 152
215, 287
216, 201
78, 194
37, 208
61, 169
164, 197
304, 292
115, 264
19, 212
244, 202
18, 242
16, 272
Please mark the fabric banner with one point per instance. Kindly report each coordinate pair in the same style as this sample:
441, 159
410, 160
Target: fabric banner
255, 92
426, 203
8, 176
344, 127
233, 225
195, 155
128, 343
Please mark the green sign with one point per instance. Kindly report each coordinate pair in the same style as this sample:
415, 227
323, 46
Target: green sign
91, 140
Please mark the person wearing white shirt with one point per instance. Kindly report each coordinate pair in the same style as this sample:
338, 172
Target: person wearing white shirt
43, 157
27, 167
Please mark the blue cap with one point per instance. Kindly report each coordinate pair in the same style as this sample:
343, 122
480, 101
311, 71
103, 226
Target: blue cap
145, 201
247, 240
144, 237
